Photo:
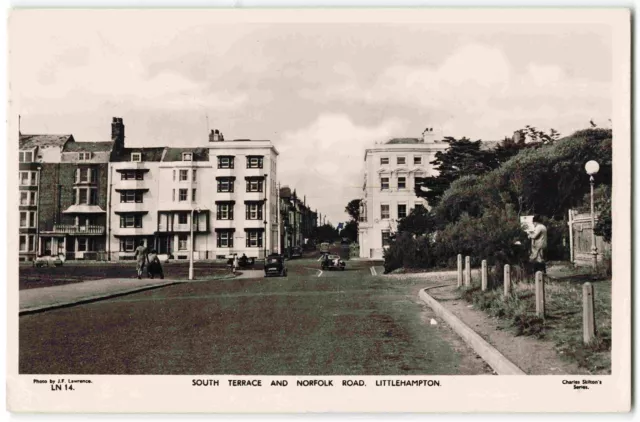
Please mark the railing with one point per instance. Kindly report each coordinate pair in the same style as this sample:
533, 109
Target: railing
70, 229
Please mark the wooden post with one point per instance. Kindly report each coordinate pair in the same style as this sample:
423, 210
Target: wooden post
459, 270
588, 318
467, 271
507, 281
484, 275
540, 294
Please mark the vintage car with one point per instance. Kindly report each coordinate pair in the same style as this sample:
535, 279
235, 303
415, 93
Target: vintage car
296, 252
332, 262
56, 260
274, 265
324, 247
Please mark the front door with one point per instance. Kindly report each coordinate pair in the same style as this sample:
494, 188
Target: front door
46, 246
164, 245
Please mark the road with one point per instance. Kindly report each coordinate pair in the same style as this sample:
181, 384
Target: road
308, 323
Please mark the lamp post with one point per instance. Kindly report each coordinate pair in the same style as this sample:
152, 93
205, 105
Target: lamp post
592, 168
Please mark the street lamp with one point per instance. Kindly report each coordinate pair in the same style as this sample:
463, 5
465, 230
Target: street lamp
592, 168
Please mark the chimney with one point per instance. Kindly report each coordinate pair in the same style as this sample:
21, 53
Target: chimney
117, 131
216, 136
427, 135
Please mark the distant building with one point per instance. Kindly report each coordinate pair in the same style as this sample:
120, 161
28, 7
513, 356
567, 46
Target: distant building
298, 223
388, 188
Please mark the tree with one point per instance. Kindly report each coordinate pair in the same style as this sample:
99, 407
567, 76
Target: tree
327, 233
463, 158
350, 231
353, 209
419, 222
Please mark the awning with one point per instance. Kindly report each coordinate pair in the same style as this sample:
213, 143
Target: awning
256, 229
257, 201
132, 189
133, 235
84, 209
226, 202
132, 212
226, 177
122, 170
254, 177
224, 230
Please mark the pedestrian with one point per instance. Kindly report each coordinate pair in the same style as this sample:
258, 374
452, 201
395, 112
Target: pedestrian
538, 238
154, 266
235, 262
141, 258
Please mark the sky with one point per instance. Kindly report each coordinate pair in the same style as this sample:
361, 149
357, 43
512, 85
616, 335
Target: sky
322, 93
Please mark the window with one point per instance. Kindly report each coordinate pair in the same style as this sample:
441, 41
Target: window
254, 162
193, 195
173, 196
254, 239
224, 211
182, 195
225, 162
187, 156
225, 184
27, 243
225, 239
384, 211
29, 178
127, 244
131, 196
182, 242
401, 160
86, 196
402, 210
402, 182
183, 218
86, 175
254, 211
28, 198
132, 175
136, 157
131, 221
254, 185
184, 175
386, 238
27, 219
384, 183
417, 160
84, 156
26, 156
384, 160
82, 244
193, 174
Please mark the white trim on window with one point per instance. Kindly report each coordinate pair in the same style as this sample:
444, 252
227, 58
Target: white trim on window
136, 157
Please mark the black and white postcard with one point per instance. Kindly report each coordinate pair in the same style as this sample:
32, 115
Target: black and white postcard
319, 210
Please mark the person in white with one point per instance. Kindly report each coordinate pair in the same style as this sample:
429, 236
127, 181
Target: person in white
235, 263
538, 238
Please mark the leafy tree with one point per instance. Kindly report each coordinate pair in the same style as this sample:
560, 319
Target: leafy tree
419, 222
350, 231
353, 209
327, 232
463, 158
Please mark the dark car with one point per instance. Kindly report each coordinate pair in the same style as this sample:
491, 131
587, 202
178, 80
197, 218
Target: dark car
332, 262
274, 265
296, 252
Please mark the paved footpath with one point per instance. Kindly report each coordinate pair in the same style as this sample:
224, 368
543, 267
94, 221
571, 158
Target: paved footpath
44, 298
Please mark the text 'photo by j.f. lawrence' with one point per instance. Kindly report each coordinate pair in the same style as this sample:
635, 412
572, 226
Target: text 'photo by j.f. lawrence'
402, 210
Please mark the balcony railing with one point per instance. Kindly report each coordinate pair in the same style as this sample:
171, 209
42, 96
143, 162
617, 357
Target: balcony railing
70, 229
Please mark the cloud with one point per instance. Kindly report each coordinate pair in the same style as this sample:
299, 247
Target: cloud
325, 160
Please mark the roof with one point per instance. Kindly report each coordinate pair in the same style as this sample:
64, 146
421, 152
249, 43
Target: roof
33, 141
88, 146
175, 154
405, 141
148, 154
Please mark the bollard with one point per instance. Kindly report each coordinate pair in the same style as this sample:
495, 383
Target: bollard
588, 318
484, 275
507, 281
459, 270
540, 294
467, 271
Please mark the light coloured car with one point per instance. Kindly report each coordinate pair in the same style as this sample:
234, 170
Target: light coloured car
55, 260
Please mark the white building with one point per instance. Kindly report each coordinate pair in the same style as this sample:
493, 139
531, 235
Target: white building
228, 187
388, 189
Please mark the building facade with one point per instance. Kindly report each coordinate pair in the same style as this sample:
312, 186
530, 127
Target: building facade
298, 223
388, 189
225, 187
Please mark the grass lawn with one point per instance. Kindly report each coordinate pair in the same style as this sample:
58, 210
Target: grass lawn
563, 322
34, 277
